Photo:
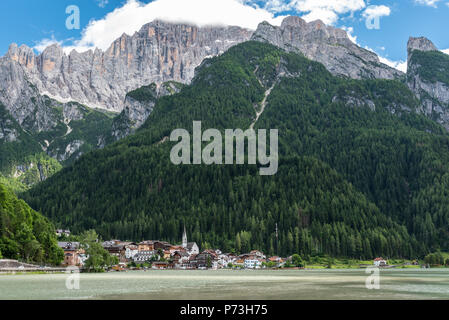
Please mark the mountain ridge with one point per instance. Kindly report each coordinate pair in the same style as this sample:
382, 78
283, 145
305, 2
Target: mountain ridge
159, 52
27, 79
327, 45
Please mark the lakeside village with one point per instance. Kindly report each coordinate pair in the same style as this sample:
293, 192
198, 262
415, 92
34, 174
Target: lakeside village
114, 255
155, 254
161, 255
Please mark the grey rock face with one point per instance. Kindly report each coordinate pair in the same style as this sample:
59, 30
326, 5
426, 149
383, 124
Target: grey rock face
327, 45
434, 95
7, 132
38, 90
355, 102
64, 154
26, 109
421, 44
159, 52
137, 110
72, 111
20, 97
132, 117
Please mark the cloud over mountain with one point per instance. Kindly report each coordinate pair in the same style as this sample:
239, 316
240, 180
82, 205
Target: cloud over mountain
130, 17
133, 15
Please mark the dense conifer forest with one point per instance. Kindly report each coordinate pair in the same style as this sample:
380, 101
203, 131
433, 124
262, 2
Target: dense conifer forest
360, 173
24, 233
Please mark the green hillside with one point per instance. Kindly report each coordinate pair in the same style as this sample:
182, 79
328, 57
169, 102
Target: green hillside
18, 146
432, 66
24, 233
27, 158
357, 168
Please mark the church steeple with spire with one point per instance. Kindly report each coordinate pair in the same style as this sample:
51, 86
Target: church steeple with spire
184, 238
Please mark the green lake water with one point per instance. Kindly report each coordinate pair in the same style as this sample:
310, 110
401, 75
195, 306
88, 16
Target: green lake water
229, 284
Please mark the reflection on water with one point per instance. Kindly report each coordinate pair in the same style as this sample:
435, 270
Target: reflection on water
227, 284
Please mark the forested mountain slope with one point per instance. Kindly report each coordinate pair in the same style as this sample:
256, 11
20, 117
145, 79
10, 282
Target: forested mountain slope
24, 233
68, 131
358, 166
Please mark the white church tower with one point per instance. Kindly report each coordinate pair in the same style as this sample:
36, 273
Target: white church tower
184, 238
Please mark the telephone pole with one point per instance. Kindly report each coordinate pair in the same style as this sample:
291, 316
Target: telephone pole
277, 240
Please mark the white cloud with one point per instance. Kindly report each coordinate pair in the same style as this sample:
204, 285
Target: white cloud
326, 10
430, 3
133, 15
373, 12
350, 32
327, 16
44, 43
399, 65
130, 17
446, 51
277, 6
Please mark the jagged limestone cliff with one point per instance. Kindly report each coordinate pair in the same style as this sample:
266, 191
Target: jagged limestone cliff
328, 45
159, 52
428, 78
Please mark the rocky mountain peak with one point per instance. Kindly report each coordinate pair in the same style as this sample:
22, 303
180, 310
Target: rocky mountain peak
427, 68
327, 45
159, 52
293, 21
51, 59
421, 44
23, 55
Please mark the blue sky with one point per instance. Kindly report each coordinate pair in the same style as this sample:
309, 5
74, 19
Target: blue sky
37, 23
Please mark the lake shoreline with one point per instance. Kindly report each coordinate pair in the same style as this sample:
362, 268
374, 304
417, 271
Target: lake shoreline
322, 284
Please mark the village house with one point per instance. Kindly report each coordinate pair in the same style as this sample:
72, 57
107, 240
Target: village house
110, 243
252, 263
160, 265
167, 255
174, 249
145, 246
181, 260
224, 260
257, 254
120, 249
60, 233
143, 256
162, 245
239, 262
193, 263
73, 254
277, 260
114, 250
131, 250
192, 248
380, 262
207, 259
